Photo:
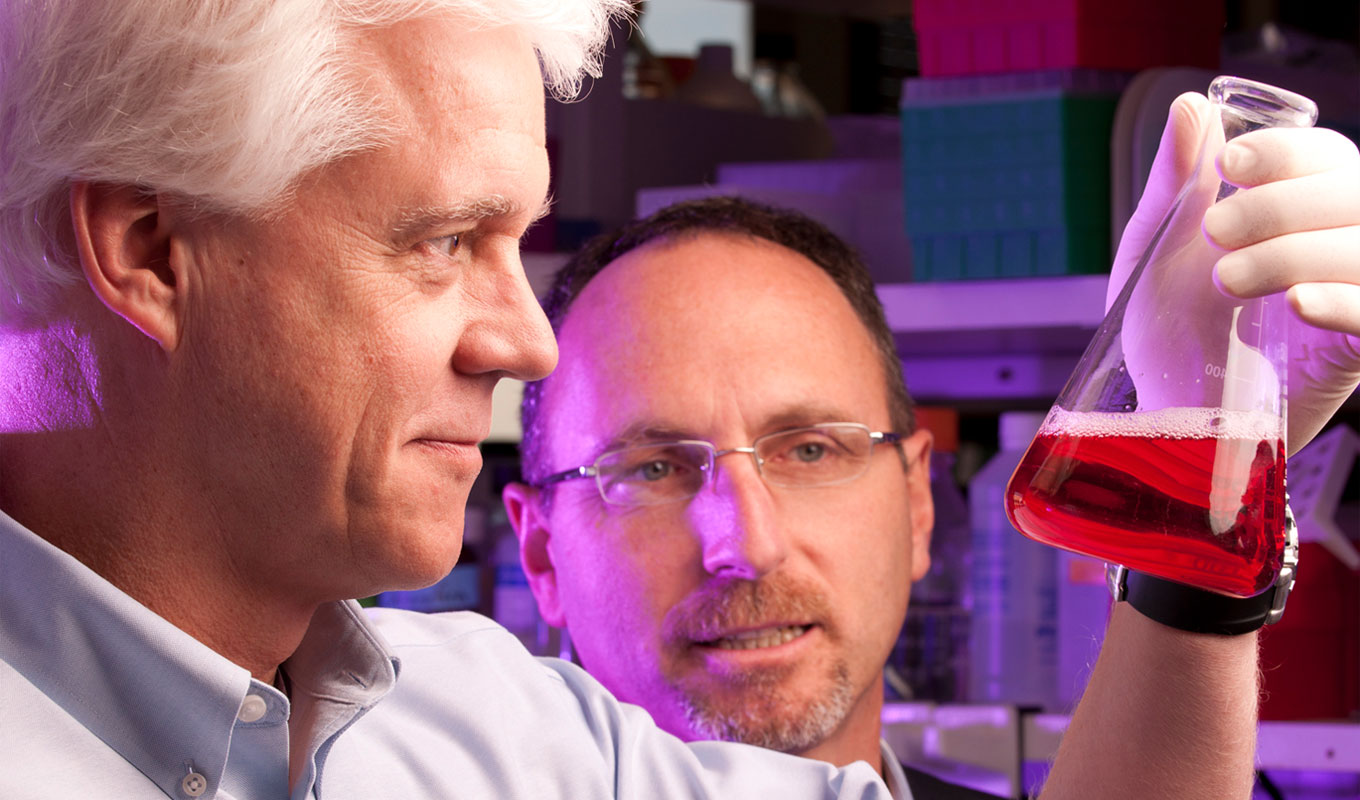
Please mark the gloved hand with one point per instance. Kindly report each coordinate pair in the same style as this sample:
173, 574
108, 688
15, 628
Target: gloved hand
1293, 224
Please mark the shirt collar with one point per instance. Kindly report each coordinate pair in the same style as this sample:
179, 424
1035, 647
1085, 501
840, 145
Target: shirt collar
893, 774
342, 668
150, 691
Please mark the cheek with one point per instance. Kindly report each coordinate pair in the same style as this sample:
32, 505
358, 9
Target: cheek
390, 362
865, 549
617, 580
390, 366
889, 564
601, 587
892, 577
272, 339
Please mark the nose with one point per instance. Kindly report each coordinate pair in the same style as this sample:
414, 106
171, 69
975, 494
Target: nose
734, 518
507, 330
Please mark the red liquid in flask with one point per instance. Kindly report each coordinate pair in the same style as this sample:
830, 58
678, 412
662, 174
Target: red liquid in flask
1191, 495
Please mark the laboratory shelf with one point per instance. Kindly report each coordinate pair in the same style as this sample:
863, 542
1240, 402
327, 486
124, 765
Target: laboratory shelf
1008, 340
988, 746
1333, 746
1292, 745
1005, 306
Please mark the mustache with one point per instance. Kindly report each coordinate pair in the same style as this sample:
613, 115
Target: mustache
723, 605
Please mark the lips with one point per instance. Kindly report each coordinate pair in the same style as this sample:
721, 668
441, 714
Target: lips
460, 449
466, 431
461, 456
727, 617
758, 638
445, 442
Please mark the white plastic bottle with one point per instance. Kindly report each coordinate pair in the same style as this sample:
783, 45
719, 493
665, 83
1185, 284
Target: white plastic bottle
1012, 639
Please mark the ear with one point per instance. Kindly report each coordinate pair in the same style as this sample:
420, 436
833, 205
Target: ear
125, 253
531, 528
917, 448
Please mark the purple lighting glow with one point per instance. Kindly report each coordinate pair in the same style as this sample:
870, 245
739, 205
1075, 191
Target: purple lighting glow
35, 363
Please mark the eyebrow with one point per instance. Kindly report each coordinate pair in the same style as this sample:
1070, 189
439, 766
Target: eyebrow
802, 414
421, 218
645, 431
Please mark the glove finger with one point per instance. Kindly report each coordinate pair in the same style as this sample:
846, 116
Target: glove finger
1177, 159
1178, 153
1274, 154
1274, 265
1330, 306
1328, 199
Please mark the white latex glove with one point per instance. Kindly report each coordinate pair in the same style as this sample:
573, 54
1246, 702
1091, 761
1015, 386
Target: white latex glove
1293, 224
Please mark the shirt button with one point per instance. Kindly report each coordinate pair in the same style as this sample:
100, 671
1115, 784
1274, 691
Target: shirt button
194, 784
252, 708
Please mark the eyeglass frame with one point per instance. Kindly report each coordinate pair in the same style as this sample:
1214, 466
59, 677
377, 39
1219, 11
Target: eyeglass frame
592, 470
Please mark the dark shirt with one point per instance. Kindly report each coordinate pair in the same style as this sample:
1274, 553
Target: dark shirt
925, 786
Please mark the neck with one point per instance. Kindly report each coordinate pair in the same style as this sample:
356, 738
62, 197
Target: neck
53, 484
80, 466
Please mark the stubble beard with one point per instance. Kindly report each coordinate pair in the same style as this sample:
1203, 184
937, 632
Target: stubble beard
769, 715
776, 708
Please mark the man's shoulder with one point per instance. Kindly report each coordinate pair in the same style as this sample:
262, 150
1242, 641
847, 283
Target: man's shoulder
401, 628
485, 662
925, 786
474, 714
467, 641
58, 754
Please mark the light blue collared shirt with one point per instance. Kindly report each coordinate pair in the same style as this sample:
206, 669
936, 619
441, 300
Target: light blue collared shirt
101, 697
893, 774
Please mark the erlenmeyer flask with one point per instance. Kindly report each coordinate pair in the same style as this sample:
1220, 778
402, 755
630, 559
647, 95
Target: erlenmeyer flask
1165, 451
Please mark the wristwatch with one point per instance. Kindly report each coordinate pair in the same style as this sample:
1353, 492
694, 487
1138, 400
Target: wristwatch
1201, 611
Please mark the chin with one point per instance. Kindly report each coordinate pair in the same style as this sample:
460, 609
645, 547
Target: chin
409, 553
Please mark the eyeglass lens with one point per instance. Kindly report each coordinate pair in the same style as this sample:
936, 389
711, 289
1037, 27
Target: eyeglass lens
815, 456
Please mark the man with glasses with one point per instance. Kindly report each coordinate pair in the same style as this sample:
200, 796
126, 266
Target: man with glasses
726, 501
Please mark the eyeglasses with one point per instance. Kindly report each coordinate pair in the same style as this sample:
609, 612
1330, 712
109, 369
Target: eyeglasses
666, 472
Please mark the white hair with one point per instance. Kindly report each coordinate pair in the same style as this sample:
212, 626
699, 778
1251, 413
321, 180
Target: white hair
226, 102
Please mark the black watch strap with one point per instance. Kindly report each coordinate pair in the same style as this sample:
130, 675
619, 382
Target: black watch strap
1202, 611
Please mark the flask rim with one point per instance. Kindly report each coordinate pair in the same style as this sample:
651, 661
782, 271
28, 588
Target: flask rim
1262, 103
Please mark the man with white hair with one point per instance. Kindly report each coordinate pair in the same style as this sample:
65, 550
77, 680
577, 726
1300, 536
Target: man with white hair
259, 274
